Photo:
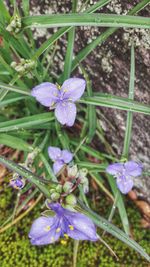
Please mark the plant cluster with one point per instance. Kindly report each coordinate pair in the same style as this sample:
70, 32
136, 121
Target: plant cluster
54, 119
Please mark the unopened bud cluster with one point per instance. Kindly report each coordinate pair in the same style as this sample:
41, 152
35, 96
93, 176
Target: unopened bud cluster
25, 65
80, 176
56, 192
15, 24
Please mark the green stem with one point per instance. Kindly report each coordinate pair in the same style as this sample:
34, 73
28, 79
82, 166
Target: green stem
75, 252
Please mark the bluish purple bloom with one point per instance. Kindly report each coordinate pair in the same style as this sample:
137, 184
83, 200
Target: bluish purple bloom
65, 223
124, 173
17, 183
61, 99
60, 157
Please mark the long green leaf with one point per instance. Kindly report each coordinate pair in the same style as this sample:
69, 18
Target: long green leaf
106, 100
26, 122
14, 89
128, 131
15, 142
116, 232
98, 19
12, 100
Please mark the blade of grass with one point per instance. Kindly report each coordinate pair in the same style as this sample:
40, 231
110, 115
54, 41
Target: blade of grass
14, 89
70, 47
91, 111
26, 122
128, 131
15, 142
122, 103
97, 19
113, 230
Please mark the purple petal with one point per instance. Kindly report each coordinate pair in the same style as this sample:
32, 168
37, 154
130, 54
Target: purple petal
73, 88
80, 227
133, 168
66, 113
124, 184
57, 166
39, 226
66, 156
44, 231
115, 168
54, 153
45, 93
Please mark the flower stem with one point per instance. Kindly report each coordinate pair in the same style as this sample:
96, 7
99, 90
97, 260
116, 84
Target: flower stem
75, 252
113, 209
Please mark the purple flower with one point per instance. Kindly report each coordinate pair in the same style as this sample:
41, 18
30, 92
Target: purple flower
61, 99
17, 183
60, 157
47, 230
124, 173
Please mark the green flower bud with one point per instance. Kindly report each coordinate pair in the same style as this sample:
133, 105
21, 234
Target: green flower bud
67, 186
59, 188
52, 190
83, 172
13, 64
71, 200
19, 68
83, 180
15, 24
55, 196
85, 184
72, 171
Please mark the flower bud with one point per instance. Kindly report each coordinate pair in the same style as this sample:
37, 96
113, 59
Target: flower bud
18, 182
15, 24
83, 172
72, 171
71, 200
55, 196
67, 186
85, 185
59, 188
13, 64
85, 188
52, 190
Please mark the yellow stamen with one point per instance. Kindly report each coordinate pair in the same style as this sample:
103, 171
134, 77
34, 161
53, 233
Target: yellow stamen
47, 228
71, 227
58, 230
63, 242
65, 90
52, 238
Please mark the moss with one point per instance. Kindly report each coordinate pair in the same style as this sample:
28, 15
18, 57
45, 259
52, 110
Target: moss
16, 249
